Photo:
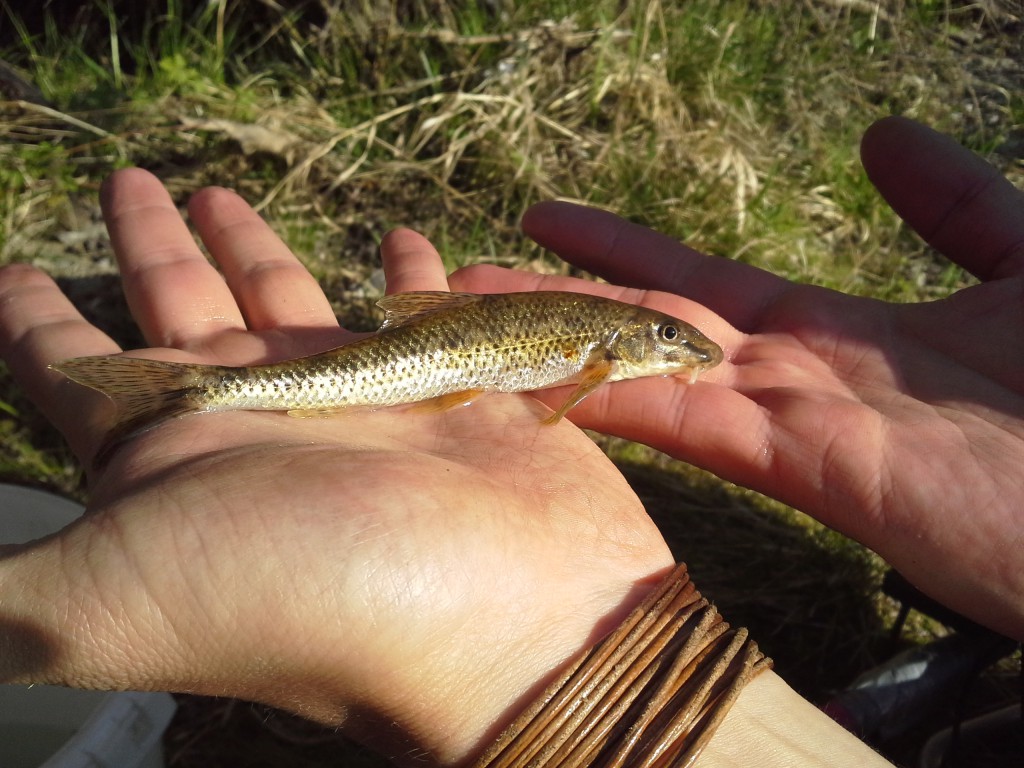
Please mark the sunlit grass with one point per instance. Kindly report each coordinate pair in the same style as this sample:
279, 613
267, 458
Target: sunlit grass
729, 124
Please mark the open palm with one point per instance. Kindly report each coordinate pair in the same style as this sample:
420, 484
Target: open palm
339, 566
900, 425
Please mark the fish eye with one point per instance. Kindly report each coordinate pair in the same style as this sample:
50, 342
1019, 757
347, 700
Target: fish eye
668, 332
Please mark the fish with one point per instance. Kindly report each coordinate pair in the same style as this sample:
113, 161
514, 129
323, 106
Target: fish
437, 349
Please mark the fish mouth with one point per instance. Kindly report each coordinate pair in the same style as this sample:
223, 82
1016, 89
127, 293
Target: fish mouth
699, 358
707, 358
699, 361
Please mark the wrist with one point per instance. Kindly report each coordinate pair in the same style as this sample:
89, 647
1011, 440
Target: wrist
29, 648
770, 724
454, 716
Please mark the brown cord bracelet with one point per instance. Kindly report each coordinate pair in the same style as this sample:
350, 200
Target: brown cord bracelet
650, 695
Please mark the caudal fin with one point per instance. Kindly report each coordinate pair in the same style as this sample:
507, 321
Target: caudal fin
145, 392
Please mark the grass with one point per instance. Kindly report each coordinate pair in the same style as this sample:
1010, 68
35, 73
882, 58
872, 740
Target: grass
733, 125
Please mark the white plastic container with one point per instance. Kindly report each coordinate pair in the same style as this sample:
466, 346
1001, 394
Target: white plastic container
52, 727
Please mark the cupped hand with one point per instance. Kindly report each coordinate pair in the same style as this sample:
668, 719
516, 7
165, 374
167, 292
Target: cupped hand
900, 425
417, 572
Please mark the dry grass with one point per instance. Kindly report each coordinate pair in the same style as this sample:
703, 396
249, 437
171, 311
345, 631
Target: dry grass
726, 124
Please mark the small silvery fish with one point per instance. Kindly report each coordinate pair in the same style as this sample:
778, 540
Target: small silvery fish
447, 348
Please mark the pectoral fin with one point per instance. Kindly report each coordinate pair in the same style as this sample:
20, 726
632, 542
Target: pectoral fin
316, 413
595, 373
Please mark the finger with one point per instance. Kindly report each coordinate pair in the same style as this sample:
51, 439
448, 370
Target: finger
629, 254
488, 278
39, 326
701, 423
950, 196
270, 285
768, 440
176, 296
411, 263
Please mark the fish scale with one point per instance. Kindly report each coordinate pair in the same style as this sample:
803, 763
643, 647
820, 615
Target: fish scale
431, 345
502, 348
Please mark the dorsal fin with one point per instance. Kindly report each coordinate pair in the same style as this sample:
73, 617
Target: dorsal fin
402, 308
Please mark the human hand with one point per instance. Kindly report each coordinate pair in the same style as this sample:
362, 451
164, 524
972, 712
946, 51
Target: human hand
415, 572
899, 425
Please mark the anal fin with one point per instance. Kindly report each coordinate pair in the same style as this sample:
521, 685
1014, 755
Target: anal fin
447, 402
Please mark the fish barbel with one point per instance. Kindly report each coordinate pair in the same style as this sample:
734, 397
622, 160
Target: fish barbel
447, 348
